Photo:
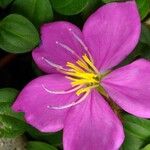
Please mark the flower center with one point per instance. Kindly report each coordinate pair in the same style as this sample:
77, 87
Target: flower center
83, 73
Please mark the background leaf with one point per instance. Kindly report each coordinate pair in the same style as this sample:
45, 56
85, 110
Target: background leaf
147, 147
37, 11
145, 35
11, 123
69, 7
5, 3
90, 8
51, 138
7, 95
17, 34
144, 7
11, 127
108, 1
137, 132
39, 146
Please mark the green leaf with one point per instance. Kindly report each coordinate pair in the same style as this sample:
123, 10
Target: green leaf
51, 138
17, 34
138, 126
11, 123
144, 50
90, 8
39, 146
37, 11
145, 35
147, 147
36, 70
7, 95
11, 127
137, 132
108, 1
5, 3
131, 142
144, 7
5, 109
69, 7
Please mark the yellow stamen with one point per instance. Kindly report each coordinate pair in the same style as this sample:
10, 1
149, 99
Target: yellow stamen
74, 67
83, 81
87, 60
76, 82
83, 65
86, 89
83, 73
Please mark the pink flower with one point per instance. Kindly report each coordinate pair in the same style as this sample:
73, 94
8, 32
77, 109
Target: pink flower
74, 96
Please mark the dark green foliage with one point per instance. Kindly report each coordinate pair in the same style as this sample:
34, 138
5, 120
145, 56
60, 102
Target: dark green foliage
69, 7
37, 11
17, 34
137, 132
39, 146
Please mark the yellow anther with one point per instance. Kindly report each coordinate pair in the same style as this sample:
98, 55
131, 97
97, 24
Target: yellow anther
83, 82
81, 75
86, 89
87, 60
74, 67
84, 73
82, 64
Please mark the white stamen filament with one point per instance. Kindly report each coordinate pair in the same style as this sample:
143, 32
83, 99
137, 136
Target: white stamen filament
58, 67
68, 49
82, 43
62, 92
71, 104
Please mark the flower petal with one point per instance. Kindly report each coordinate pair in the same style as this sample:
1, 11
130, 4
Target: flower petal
34, 101
60, 44
112, 32
92, 125
129, 87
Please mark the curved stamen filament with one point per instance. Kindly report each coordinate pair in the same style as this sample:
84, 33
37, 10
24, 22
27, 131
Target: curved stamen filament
66, 47
82, 43
71, 104
80, 61
58, 67
62, 92
83, 76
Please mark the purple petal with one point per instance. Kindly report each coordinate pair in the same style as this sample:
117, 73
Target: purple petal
112, 32
92, 125
34, 101
129, 87
60, 42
